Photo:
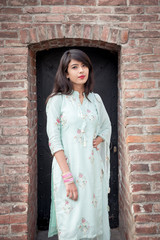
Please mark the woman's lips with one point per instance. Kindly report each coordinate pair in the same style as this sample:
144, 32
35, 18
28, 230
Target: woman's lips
81, 77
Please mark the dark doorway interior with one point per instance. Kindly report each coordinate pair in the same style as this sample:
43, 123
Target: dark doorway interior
105, 65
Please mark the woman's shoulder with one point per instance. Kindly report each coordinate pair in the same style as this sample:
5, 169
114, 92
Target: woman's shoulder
97, 97
55, 99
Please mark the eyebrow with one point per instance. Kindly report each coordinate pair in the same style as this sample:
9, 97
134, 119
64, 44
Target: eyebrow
74, 64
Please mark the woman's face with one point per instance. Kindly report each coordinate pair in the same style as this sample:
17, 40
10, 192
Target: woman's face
77, 72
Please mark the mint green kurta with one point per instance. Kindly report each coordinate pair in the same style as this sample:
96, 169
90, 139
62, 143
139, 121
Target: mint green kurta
72, 126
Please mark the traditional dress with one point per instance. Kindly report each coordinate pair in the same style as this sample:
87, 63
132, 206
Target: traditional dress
72, 126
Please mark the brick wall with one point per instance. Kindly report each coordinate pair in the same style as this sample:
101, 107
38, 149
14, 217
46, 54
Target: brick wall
130, 27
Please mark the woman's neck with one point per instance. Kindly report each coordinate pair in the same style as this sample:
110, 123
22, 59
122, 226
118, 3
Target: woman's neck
79, 89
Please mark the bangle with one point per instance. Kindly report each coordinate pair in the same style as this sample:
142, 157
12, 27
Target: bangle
67, 178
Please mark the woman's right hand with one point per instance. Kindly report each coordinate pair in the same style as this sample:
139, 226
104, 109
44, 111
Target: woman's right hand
71, 191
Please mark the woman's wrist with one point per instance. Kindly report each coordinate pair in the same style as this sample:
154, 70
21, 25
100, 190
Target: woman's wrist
67, 177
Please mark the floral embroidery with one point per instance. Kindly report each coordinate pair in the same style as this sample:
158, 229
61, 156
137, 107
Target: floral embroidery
49, 144
91, 158
81, 180
90, 115
63, 120
67, 207
102, 174
94, 202
84, 226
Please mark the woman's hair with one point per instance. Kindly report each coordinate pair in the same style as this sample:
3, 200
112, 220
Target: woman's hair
62, 84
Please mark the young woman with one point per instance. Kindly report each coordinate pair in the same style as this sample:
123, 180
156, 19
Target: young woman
79, 131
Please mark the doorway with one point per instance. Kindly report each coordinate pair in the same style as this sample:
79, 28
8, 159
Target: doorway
105, 65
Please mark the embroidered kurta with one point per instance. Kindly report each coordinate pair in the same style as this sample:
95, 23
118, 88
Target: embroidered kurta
72, 126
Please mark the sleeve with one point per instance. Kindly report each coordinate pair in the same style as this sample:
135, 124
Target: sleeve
53, 111
104, 130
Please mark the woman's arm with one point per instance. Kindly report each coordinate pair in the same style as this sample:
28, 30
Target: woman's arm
71, 188
53, 111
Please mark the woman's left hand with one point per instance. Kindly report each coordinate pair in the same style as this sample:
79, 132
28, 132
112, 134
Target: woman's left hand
96, 142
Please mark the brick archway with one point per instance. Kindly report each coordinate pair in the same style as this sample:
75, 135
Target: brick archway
42, 38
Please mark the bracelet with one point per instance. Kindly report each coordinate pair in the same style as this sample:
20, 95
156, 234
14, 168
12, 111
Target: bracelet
67, 178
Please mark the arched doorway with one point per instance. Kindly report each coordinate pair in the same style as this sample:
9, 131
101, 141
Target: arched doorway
105, 64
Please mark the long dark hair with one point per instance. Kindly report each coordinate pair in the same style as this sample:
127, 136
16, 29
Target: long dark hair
62, 85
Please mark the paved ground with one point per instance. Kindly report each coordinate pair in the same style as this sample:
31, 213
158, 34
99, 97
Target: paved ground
42, 235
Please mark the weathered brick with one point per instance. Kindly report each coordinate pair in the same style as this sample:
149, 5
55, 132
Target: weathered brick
146, 229
147, 218
140, 84
145, 157
143, 139
146, 178
111, 2
19, 188
16, 170
134, 94
139, 167
141, 103
4, 230
129, 10
137, 121
142, 208
145, 2
8, 34
152, 147
19, 228
141, 187
155, 167
153, 94
153, 129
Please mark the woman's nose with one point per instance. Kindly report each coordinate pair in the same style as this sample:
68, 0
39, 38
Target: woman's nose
81, 69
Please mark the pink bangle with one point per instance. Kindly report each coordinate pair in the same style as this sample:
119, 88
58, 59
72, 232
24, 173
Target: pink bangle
67, 175
68, 180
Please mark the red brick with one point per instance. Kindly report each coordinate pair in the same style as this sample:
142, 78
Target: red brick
141, 103
19, 208
134, 130
24, 35
22, 2
153, 129
52, 2
156, 207
140, 84
151, 112
13, 103
15, 76
19, 228
13, 67
146, 229
9, 18
131, 58
35, 10
155, 167
137, 121
153, 10
131, 75
95, 10
153, 94
82, 18
4, 230
147, 218
15, 170
18, 218
145, 34
13, 140
8, 34
14, 160
134, 94
144, 2
145, 157
79, 2
138, 67
49, 18
133, 113
141, 187
13, 112
3, 189
129, 10
105, 33
124, 36
139, 167
15, 59
137, 50
4, 209
23, 131
19, 188
143, 139
152, 147
112, 2
151, 58
142, 208
156, 186
113, 18
146, 178
14, 51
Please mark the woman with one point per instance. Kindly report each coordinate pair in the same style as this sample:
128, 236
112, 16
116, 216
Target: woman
79, 131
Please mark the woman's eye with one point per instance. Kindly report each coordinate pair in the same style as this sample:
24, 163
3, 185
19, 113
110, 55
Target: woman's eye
74, 67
